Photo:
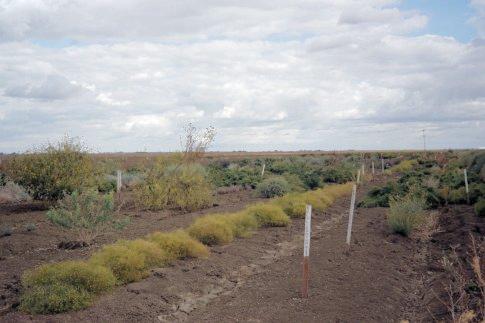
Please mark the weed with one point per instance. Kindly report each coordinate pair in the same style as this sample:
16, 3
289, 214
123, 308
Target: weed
212, 229
128, 265
480, 208
56, 298
405, 213
179, 245
13, 193
269, 215
79, 274
5, 231
153, 254
292, 204
87, 213
29, 227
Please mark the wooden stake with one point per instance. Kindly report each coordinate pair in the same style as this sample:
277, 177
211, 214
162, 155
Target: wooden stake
306, 252
382, 164
351, 213
358, 176
466, 187
118, 181
373, 170
262, 171
363, 169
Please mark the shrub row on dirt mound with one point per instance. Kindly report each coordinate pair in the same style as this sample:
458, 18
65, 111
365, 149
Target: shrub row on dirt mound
72, 285
216, 229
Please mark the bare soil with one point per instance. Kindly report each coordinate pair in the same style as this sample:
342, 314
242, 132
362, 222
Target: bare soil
382, 277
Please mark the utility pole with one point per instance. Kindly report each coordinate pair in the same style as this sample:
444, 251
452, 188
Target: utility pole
424, 139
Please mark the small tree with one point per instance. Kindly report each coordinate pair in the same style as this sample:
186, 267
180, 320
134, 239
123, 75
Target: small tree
88, 214
52, 170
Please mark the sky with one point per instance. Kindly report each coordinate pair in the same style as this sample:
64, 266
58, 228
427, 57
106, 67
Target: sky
128, 75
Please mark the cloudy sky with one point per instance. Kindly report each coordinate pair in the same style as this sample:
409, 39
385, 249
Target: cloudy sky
277, 74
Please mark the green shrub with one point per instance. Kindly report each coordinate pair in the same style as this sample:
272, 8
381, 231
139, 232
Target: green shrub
179, 245
212, 229
56, 298
339, 175
128, 265
379, 196
457, 196
480, 208
79, 274
52, 171
405, 213
272, 187
294, 182
3, 179
269, 215
293, 205
180, 186
87, 213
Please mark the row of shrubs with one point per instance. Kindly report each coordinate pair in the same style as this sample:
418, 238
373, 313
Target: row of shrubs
304, 172
72, 285
439, 185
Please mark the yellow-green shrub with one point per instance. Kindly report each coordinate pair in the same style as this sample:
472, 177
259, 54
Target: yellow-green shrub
244, 223
79, 274
317, 200
336, 191
179, 244
55, 298
293, 205
404, 166
128, 265
53, 170
154, 255
184, 187
212, 229
269, 215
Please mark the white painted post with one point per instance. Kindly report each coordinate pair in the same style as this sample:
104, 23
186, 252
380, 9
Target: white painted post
118, 181
382, 164
351, 213
306, 251
363, 169
262, 171
358, 176
373, 170
466, 187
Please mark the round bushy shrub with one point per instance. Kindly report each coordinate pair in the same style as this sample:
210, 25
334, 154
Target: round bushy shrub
57, 298
52, 171
269, 215
212, 230
480, 208
272, 187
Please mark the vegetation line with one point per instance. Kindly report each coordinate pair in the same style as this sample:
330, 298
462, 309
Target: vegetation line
73, 285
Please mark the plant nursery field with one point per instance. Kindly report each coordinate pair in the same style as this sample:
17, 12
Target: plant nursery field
219, 238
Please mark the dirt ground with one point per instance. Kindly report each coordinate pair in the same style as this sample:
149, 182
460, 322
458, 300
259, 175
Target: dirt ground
382, 277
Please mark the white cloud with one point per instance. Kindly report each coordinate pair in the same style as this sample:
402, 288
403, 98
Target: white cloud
282, 74
106, 98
